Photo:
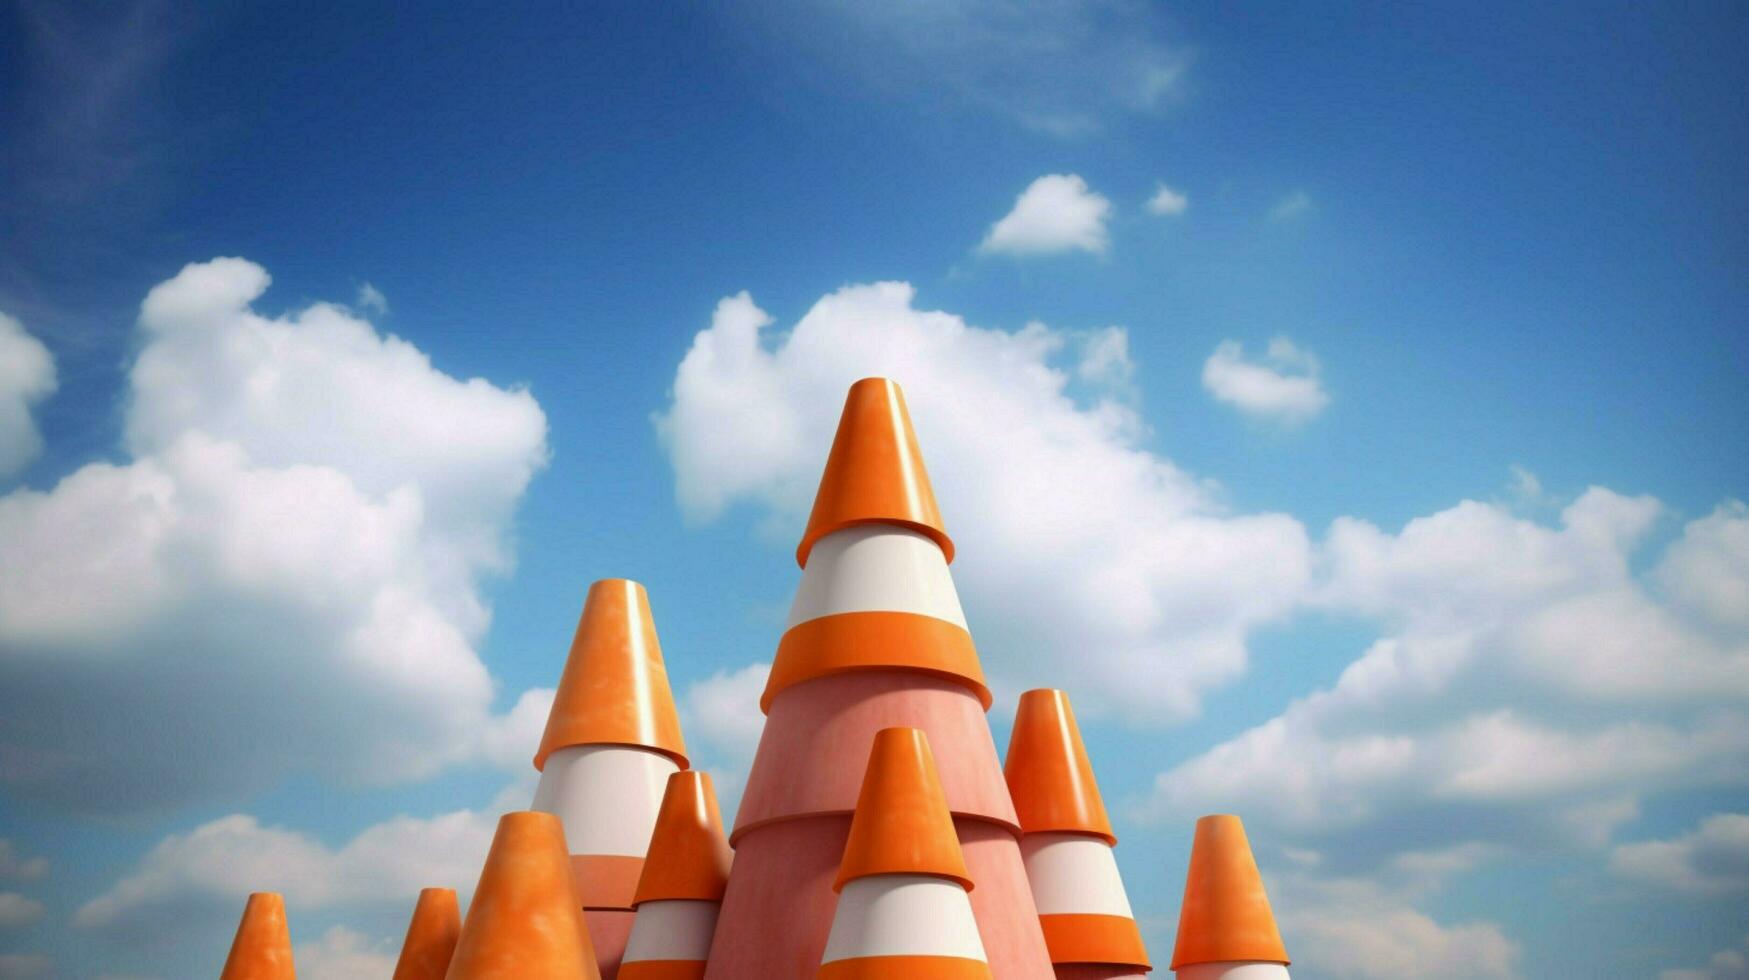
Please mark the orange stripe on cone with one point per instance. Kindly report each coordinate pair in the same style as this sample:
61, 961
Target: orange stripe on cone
872, 641
1081, 937
689, 856
1226, 915
431, 936
525, 920
902, 825
614, 690
262, 948
606, 881
1048, 772
905, 968
875, 471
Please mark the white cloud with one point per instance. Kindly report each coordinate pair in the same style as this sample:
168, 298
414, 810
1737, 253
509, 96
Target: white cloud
1285, 386
285, 577
371, 300
15, 866
1167, 201
1708, 569
210, 870
1056, 213
25, 966
1529, 692
723, 723
1713, 859
1115, 548
1726, 964
1295, 204
27, 376
18, 910
1356, 928
343, 954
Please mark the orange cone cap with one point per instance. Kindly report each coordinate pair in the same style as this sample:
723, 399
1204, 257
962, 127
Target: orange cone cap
689, 856
1049, 774
902, 825
431, 936
1226, 914
262, 949
614, 690
875, 473
525, 920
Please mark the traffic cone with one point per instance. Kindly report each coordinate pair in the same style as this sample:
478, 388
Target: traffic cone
431, 936
876, 639
1226, 930
611, 743
903, 910
1068, 845
682, 885
524, 921
262, 948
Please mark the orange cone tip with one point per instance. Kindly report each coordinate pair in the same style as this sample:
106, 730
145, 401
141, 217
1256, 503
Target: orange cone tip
689, 856
902, 824
525, 920
1049, 774
1226, 915
431, 936
875, 471
614, 690
262, 949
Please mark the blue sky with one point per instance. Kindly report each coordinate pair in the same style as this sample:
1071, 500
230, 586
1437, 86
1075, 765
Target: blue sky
1438, 577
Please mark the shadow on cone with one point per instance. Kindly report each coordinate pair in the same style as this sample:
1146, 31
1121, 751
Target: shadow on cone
525, 921
1226, 916
431, 936
262, 949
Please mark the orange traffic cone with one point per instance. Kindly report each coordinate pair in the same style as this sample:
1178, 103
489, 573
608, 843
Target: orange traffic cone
524, 921
903, 909
1068, 845
876, 639
611, 743
262, 949
1226, 930
431, 936
682, 885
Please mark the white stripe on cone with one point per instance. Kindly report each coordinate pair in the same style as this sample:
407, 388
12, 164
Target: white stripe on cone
1237, 970
1074, 873
903, 915
876, 568
607, 796
672, 929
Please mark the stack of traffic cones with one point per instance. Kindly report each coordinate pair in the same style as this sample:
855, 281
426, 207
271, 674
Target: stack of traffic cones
1226, 930
611, 743
682, 885
1088, 925
262, 948
525, 920
876, 639
431, 936
903, 910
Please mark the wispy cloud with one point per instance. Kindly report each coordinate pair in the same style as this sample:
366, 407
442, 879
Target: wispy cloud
1295, 204
1167, 201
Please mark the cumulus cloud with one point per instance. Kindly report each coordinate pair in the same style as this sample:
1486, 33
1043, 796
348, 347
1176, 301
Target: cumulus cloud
284, 576
1726, 964
1056, 213
1713, 859
18, 910
27, 376
1047, 496
1167, 201
723, 723
16, 867
1530, 690
343, 954
1357, 928
1284, 386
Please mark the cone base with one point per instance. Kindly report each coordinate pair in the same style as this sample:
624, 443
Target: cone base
609, 930
815, 727
784, 871
1096, 971
1234, 970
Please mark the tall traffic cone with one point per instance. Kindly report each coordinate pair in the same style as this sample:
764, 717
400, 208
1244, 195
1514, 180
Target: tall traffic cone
1068, 842
876, 639
262, 948
1226, 930
682, 885
611, 743
524, 921
431, 936
903, 909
